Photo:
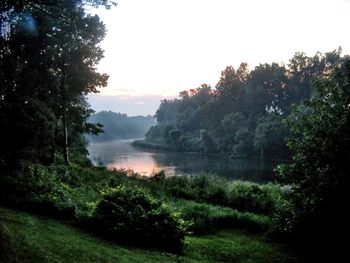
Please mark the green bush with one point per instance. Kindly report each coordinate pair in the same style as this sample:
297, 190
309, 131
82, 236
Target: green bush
243, 196
203, 188
252, 197
34, 187
60, 190
132, 215
206, 218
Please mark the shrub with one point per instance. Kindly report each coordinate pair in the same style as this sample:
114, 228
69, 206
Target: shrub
285, 218
132, 215
202, 188
252, 197
58, 190
243, 196
208, 218
178, 186
35, 187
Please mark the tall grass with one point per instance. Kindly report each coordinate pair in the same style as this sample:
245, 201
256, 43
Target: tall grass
208, 218
206, 188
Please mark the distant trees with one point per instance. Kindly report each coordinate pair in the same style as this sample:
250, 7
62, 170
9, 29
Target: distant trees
270, 136
243, 115
48, 54
120, 126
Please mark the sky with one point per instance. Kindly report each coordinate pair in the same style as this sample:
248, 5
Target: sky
156, 48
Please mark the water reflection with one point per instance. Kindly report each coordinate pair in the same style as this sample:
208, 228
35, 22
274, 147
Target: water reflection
120, 154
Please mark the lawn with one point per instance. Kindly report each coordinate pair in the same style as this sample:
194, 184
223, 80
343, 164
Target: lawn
26, 237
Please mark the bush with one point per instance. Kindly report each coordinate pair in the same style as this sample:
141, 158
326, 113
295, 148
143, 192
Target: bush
61, 191
243, 196
252, 197
207, 218
34, 187
209, 189
132, 215
203, 188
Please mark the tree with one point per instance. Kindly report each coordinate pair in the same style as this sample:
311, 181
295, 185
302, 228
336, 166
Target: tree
174, 137
230, 88
230, 124
268, 91
270, 135
76, 52
303, 69
167, 111
319, 171
45, 77
244, 144
207, 142
14, 15
252, 102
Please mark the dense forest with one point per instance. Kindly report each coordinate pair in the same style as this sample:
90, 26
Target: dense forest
243, 114
116, 126
56, 206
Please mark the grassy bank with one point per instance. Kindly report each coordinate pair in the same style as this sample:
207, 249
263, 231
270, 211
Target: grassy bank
207, 212
33, 238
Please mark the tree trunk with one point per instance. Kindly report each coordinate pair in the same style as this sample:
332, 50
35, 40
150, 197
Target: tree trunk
53, 145
64, 118
65, 139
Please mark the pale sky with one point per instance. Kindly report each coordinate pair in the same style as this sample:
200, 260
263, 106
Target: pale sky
161, 47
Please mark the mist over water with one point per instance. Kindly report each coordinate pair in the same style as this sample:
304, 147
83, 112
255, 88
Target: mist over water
121, 154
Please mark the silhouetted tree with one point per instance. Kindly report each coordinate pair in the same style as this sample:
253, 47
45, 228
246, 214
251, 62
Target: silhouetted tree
319, 171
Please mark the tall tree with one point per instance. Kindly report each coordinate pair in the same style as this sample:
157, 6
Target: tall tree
48, 70
319, 171
230, 88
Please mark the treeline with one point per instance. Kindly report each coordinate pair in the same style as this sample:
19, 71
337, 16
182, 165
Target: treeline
243, 114
120, 126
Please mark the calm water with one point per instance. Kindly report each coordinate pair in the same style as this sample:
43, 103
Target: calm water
121, 154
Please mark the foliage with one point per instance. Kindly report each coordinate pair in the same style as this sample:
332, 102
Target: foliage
243, 196
132, 215
251, 197
46, 71
207, 142
242, 116
208, 218
244, 146
151, 145
76, 193
62, 191
33, 187
120, 126
270, 136
153, 134
319, 170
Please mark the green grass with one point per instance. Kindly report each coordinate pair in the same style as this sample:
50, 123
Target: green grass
31, 238
208, 218
234, 246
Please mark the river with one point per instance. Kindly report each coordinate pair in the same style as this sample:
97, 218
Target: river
121, 154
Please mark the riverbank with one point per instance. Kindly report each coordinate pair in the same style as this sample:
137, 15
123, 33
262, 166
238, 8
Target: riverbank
121, 154
33, 239
200, 217
151, 145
